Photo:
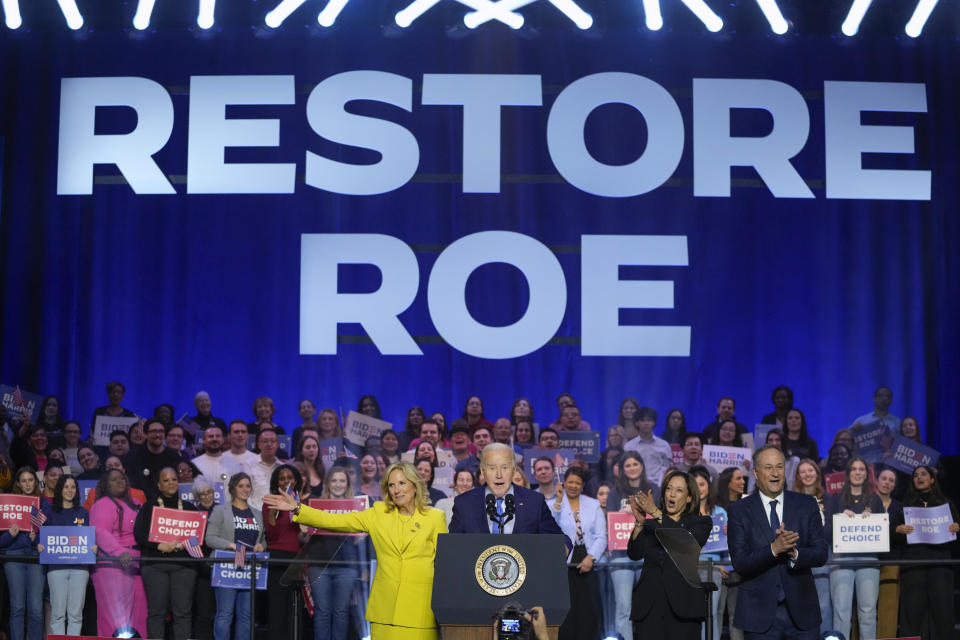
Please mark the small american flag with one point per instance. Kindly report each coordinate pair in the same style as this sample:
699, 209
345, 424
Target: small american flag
192, 545
240, 555
294, 494
37, 517
18, 399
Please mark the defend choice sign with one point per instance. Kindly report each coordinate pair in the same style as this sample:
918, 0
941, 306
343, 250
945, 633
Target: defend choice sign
586, 444
173, 525
619, 527
15, 510
227, 575
68, 545
360, 427
863, 533
930, 525
103, 426
718, 539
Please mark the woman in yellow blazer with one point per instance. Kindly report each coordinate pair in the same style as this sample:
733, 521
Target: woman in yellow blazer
404, 532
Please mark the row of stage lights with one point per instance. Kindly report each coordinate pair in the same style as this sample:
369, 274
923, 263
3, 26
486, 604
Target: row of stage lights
483, 11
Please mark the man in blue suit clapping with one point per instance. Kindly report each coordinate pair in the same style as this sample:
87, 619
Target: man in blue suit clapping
775, 538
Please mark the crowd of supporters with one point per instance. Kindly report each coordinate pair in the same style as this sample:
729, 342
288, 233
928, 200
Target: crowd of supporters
143, 467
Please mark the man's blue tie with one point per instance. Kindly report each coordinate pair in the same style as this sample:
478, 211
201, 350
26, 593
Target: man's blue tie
496, 525
774, 526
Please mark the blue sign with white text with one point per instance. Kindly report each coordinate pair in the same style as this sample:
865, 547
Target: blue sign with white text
229, 576
717, 541
67, 545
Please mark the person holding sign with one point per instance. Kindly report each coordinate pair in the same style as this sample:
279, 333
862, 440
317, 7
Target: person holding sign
664, 603
24, 580
232, 525
926, 590
856, 498
403, 530
169, 585
68, 583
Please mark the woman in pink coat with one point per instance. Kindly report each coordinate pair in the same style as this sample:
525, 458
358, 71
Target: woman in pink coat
121, 602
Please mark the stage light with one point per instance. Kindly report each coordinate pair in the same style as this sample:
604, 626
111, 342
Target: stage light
651, 9
71, 13
772, 13
205, 15
919, 18
11, 11
578, 16
330, 12
858, 9
709, 19
141, 19
281, 12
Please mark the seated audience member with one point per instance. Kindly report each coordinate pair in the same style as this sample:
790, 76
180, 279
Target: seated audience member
119, 444
570, 419
725, 408
726, 435
615, 437
853, 571
261, 469
520, 478
430, 432
481, 438
390, 445
310, 466
425, 469
204, 417
463, 481
693, 454
307, 412
605, 472
521, 409
263, 412
548, 438
910, 428
369, 483
797, 441
473, 413
237, 437
836, 459
656, 453
213, 464
56, 458
51, 420
187, 471
231, 525
90, 462
169, 585
176, 440
111, 463
808, 479
328, 425
582, 520
137, 436
30, 447
411, 427
603, 492
523, 437
49, 484
503, 431
117, 582
71, 442
115, 393
565, 400
545, 473
440, 419
368, 406
67, 583
144, 463
675, 427
164, 413
626, 419
888, 600
25, 580
882, 399
926, 592
782, 398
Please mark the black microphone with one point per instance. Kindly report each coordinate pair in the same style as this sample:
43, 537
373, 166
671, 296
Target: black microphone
509, 508
491, 506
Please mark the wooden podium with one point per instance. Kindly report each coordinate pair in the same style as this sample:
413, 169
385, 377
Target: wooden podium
465, 608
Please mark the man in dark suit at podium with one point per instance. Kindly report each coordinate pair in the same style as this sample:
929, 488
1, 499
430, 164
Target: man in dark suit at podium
775, 538
472, 510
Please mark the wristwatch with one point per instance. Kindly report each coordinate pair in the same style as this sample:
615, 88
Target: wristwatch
296, 510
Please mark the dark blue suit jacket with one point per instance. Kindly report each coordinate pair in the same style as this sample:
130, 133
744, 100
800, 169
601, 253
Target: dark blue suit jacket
532, 514
749, 538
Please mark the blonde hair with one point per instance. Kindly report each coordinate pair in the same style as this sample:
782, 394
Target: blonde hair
410, 472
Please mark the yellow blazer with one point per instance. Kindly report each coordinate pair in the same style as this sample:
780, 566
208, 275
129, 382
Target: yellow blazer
403, 585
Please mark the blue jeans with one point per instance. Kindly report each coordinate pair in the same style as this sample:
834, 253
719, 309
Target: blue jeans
623, 582
821, 577
68, 590
866, 581
25, 584
233, 605
331, 590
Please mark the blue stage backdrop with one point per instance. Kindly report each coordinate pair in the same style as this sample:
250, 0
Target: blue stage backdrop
426, 214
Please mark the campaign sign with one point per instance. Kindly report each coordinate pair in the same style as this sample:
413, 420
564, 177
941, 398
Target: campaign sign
28, 402
906, 455
676, 454
330, 450
15, 510
229, 576
85, 487
760, 432
359, 427
720, 457
862, 533
833, 482
284, 440
619, 527
718, 539
103, 426
333, 505
186, 492
561, 460
585, 444
930, 524
174, 525
67, 545
873, 440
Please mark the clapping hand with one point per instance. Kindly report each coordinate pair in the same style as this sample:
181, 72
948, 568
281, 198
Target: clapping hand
785, 542
280, 501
